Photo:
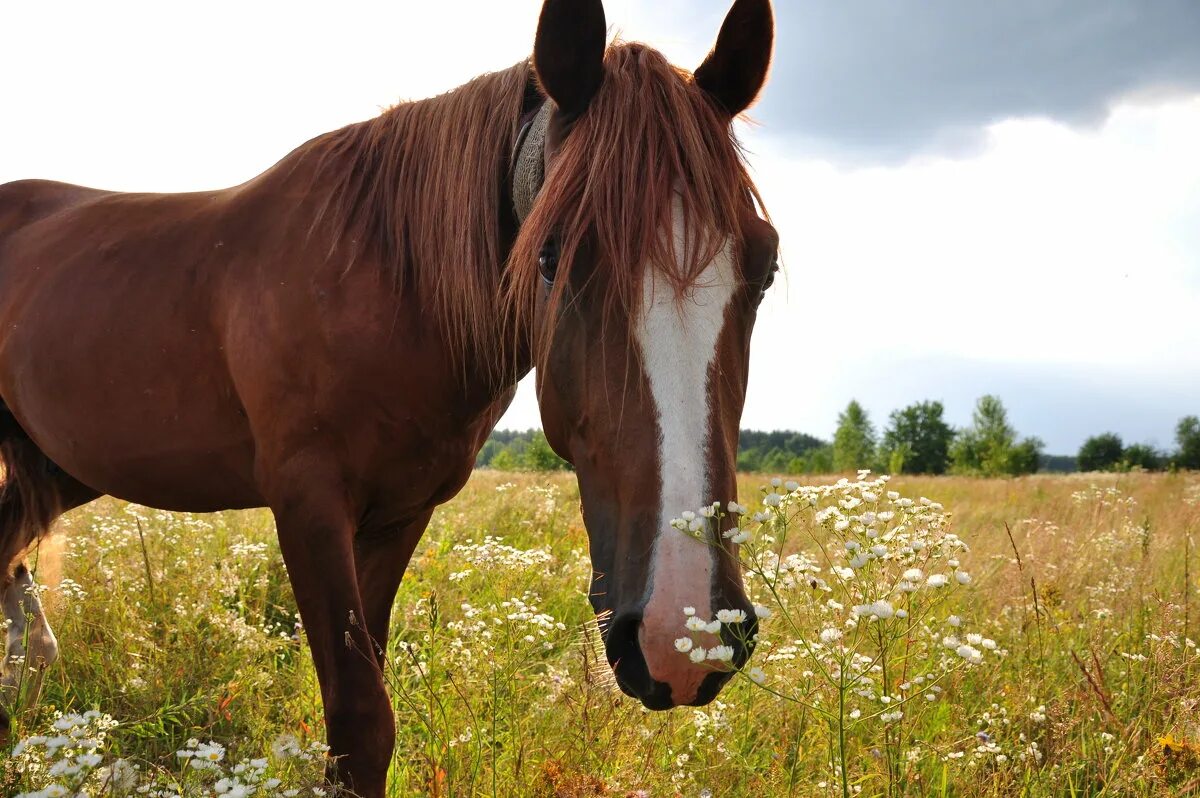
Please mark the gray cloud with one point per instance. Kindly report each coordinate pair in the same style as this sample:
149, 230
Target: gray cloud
882, 80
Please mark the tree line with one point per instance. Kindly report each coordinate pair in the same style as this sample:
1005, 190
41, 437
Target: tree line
1107, 452
915, 440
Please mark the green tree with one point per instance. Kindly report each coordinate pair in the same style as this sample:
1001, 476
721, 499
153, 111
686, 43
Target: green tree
540, 457
917, 440
504, 460
1187, 435
1101, 453
1026, 457
854, 441
989, 446
1141, 455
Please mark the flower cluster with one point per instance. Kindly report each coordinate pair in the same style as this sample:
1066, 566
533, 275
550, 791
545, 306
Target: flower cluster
856, 575
70, 762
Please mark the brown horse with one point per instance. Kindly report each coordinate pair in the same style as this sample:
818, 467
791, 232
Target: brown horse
335, 339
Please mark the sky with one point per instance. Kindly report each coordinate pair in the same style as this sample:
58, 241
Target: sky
973, 197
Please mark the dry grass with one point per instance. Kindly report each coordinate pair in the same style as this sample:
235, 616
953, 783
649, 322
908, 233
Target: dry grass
1088, 582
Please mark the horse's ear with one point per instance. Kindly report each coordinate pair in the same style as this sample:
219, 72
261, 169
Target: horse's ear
568, 54
736, 69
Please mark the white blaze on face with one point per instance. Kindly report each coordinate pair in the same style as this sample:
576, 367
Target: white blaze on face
678, 342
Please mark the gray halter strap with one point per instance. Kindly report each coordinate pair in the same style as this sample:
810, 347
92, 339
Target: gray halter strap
529, 161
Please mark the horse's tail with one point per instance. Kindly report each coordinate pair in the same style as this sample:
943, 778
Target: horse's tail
28, 496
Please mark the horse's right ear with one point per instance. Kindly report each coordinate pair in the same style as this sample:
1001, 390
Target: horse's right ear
736, 69
568, 54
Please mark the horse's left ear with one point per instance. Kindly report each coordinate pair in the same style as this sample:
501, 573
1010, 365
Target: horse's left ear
736, 69
568, 53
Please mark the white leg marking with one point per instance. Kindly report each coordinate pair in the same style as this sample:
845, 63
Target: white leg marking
678, 342
29, 639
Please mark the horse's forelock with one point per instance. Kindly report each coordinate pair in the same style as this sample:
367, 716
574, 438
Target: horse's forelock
649, 133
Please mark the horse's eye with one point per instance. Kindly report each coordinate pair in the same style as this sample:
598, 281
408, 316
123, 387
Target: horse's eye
548, 261
769, 280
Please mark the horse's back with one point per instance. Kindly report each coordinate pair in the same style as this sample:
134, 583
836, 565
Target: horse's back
107, 341
23, 202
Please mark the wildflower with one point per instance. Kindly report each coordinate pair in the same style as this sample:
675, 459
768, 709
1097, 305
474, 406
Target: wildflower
285, 746
954, 620
963, 577
683, 645
830, 635
937, 580
772, 499
731, 616
712, 627
695, 623
877, 609
913, 575
689, 611
734, 508
762, 612
697, 654
970, 654
721, 653
757, 675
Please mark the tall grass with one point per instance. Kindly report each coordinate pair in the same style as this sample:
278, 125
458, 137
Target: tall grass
184, 630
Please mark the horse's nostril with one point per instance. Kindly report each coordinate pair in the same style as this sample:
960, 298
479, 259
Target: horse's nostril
621, 645
624, 652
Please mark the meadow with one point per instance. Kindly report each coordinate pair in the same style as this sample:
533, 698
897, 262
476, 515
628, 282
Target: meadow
1042, 647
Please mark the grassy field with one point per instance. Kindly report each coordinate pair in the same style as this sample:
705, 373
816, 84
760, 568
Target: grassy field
1065, 667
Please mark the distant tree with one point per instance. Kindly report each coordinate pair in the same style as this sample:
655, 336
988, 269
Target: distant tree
917, 440
989, 446
1101, 453
854, 441
1187, 436
814, 461
491, 447
1058, 463
1141, 455
505, 460
1026, 456
773, 451
540, 457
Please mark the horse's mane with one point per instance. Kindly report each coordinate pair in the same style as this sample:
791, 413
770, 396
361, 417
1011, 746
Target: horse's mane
423, 183
420, 188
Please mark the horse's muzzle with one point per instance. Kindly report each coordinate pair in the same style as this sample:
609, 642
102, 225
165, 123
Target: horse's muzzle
638, 658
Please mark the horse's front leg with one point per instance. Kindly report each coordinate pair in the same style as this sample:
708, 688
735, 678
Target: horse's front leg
316, 536
380, 559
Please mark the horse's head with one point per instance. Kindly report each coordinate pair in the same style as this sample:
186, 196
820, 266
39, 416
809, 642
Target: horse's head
643, 260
